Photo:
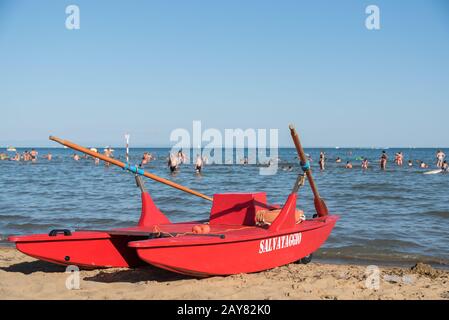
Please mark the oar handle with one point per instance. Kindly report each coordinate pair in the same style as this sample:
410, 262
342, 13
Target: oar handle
128, 167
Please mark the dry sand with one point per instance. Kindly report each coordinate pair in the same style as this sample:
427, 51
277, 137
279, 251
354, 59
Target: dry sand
22, 277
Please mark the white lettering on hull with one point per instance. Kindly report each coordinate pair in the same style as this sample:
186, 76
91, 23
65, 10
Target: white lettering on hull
281, 242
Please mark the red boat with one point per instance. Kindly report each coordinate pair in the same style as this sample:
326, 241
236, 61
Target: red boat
234, 240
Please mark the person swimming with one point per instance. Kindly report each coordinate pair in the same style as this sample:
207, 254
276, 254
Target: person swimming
146, 158
423, 165
348, 165
410, 163
16, 157
338, 160
244, 161
76, 157
48, 156
383, 160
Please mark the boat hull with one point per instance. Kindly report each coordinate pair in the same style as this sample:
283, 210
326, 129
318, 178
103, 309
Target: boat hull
233, 257
93, 248
84, 249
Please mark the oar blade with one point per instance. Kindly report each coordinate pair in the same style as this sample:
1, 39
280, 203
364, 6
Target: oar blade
320, 207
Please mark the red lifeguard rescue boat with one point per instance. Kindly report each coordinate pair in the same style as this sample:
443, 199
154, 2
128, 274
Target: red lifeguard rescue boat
234, 241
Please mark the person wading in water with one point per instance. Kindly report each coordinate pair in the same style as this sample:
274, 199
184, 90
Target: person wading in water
365, 164
172, 162
198, 164
108, 153
440, 158
383, 160
322, 160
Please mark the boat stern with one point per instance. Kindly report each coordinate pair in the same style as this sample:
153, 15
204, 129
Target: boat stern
84, 249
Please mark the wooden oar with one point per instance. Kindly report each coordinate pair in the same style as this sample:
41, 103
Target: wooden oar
320, 206
133, 169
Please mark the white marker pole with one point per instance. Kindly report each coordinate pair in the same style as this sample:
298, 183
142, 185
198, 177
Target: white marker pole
127, 147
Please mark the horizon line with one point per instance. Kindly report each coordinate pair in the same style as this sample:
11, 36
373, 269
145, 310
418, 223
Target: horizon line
280, 147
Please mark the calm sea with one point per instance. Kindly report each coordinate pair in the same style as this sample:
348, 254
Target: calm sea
395, 217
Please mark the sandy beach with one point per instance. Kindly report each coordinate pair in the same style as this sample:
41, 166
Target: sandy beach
22, 277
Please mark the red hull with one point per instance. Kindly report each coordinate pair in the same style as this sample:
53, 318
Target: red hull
92, 249
247, 251
244, 248
84, 249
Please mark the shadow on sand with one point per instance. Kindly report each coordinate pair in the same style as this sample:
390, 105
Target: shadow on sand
141, 274
33, 266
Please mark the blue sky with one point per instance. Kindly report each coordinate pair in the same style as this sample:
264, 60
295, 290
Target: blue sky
149, 67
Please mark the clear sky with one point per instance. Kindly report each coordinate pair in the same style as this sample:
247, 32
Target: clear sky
149, 67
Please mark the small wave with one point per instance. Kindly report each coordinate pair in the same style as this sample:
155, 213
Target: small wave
385, 243
380, 255
441, 214
385, 197
10, 217
85, 220
385, 187
30, 226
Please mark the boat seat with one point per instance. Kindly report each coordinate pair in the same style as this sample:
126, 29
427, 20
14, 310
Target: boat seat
237, 208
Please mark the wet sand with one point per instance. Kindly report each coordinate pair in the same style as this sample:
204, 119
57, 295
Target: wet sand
22, 277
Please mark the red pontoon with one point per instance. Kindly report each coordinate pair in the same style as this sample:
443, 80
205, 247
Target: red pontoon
235, 244
92, 249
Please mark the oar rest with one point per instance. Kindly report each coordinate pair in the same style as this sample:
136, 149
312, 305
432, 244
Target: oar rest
150, 214
237, 208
